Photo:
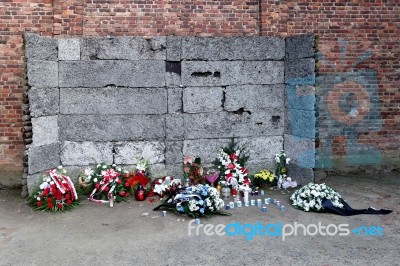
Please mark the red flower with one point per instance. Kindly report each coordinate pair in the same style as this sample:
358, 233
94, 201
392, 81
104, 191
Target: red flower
46, 192
60, 206
119, 181
122, 193
50, 205
50, 199
231, 166
69, 202
97, 186
233, 157
127, 194
67, 197
127, 184
59, 196
106, 189
39, 203
244, 170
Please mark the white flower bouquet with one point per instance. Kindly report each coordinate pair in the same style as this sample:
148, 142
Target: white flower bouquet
312, 196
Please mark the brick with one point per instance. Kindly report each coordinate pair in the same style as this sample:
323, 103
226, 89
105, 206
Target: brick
102, 73
173, 152
227, 125
40, 48
223, 73
300, 46
45, 130
131, 152
254, 97
69, 49
86, 153
124, 100
43, 158
44, 102
111, 127
42, 74
174, 100
233, 48
300, 71
130, 48
202, 99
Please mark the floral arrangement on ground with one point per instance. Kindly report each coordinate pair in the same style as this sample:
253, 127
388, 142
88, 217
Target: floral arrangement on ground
311, 197
195, 201
56, 192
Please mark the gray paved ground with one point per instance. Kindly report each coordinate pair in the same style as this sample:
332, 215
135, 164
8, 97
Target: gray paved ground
97, 235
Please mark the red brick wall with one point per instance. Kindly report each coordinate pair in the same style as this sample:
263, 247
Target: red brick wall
363, 24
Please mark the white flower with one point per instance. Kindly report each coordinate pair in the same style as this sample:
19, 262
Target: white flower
119, 169
51, 182
104, 166
38, 198
98, 166
95, 179
277, 158
43, 185
287, 160
48, 179
64, 171
59, 167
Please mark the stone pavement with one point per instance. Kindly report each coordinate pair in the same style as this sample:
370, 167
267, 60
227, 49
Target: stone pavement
98, 235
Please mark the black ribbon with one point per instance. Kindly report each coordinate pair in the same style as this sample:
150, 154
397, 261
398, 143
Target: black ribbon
349, 211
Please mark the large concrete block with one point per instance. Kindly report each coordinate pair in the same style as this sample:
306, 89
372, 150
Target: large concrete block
132, 152
102, 73
43, 102
300, 46
69, 49
174, 170
40, 48
206, 149
262, 150
174, 48
43, 158
300, 150
301, 97
33, 181
44, 130
234, 124
113, 100
302, 123
223, 73
174, 127
173, 152
254, 97
300, 71
43, 74
174, 100
111, 127
233, 48
303, 176
86, 153
202, 99
131, 48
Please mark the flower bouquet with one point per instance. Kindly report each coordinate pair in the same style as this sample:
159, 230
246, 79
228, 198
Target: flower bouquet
193, 171
264, 179
165, 186
281, 171
311, 197
141, 175
230, 162
109, 184
55, 193
195, 201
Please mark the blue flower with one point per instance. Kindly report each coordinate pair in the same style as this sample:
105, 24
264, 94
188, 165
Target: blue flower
201, 210
201, 202
180, 209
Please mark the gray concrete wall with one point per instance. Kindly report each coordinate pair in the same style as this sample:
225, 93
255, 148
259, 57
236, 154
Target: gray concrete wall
115, 100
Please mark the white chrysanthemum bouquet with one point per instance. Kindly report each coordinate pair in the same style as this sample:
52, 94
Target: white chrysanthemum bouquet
311, 197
